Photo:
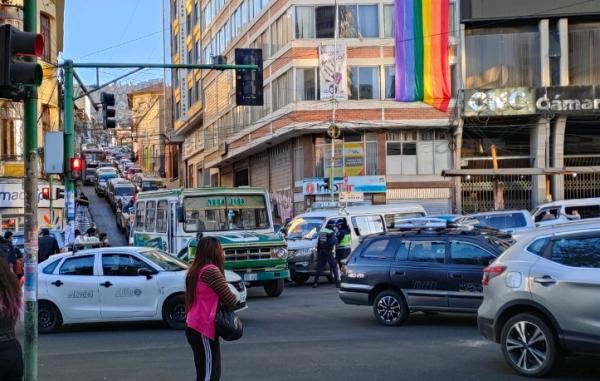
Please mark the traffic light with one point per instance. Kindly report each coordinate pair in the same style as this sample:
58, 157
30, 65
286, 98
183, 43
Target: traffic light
59, 193
108, 110
76, 167
249, 83
14, 70
46, 193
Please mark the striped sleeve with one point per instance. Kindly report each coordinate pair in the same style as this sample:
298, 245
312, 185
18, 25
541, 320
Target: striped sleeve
216, 280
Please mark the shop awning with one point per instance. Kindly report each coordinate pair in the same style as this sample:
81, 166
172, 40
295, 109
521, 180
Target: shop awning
520, 171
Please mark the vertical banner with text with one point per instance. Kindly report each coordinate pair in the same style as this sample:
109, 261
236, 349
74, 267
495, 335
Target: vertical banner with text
333, 72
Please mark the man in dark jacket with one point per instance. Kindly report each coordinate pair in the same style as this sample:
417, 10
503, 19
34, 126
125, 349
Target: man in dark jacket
47, 245
325, 252
5, 252
9, 248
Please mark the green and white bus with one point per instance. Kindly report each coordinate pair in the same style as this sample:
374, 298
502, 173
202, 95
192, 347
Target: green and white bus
239, 217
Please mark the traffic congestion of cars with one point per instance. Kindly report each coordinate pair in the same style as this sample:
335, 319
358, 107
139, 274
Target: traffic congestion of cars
531, 278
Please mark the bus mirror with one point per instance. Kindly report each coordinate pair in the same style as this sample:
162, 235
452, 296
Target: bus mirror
180, 214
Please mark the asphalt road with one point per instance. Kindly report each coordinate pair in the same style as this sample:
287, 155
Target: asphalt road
103, 217
306, 334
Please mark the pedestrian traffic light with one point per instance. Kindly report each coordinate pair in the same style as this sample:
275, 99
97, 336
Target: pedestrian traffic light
59, 193
46, 193
15, 71
249, 83
108, 110
76, 166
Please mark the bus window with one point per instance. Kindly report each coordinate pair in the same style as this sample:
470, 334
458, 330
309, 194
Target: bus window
139, 215
150, 215
161, 216
231, 212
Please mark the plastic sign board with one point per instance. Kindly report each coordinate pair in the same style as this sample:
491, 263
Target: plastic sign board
352, 197
362, 184
54, 152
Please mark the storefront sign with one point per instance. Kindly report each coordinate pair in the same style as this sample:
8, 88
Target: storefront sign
352, 197
361, 184
332, 72
564, 100
13, 196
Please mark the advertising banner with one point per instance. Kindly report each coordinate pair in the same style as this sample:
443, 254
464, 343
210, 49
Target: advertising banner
332, 74
12, 195
361, 184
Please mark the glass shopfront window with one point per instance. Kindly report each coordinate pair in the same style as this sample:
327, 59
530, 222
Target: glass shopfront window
354, 155
412, 152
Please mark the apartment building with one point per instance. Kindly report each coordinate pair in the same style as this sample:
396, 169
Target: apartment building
395, 150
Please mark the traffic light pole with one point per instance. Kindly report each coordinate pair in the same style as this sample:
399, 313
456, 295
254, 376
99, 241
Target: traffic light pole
69, 143
30, 187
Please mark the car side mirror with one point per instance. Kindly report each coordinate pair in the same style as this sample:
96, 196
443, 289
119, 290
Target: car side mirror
145, 272
180, 214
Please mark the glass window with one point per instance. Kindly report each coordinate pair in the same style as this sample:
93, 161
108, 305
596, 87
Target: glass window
281, 90
577, 251
161, 216
538, 246
150, 215
502, 221
463, 253
390, 82
232, 212
280, 33
358, 21
122, 265
78, 266
348, 21
365, 225
547, 214
140, 208
307, 84
304, 228
363, 83
305, 22
384, 248
163, 260
389, 21
402, 253
325, 21
582, 212
49, 269
428, 252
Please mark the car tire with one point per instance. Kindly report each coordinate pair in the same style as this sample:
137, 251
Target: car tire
299, 278
49, 318
390, 309
519, 335
274, 288
174, 312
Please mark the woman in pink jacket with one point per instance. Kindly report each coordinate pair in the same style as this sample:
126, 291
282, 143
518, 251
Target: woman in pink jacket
206, 288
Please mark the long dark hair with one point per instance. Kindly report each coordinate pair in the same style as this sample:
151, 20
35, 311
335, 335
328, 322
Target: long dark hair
208, 252
10, 292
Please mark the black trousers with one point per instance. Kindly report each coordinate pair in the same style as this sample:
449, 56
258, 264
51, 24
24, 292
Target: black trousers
326, 257
207, 355
11, 361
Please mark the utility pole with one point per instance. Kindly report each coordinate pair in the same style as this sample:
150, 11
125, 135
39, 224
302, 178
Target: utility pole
30, 187
69, 137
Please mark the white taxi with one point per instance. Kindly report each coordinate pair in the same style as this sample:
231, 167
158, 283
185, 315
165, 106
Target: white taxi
116, 284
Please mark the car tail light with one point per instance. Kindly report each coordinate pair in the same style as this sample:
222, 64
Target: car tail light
491, 272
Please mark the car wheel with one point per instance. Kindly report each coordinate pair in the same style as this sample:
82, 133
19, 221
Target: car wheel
274, 288
529, 345
174, 312
299, 278
390, 308
49, 318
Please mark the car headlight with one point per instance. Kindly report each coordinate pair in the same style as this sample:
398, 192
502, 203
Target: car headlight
282, 253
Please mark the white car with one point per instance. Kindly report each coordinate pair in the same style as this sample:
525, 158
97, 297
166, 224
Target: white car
116, 284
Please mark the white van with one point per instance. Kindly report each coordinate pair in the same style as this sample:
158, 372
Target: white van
558, 212
301, 233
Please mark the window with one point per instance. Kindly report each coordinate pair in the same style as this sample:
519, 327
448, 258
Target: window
365, 225
389, 21
538, 246
577, 251
198, 89
46, 32
359, 155
307, 84
78, 266
188, 24
325, 21
282, 94
280, 33
122, 265
150, 215
413, 152
161, 216
427, 252
140, 208
218, 213
49, 269
468, 254
384, 248
196, 51
502, 221
584, 211
358, 21
190, 99
584, 62
363, 82
305, 22
390, 82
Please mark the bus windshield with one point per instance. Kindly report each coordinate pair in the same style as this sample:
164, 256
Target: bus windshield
229, 212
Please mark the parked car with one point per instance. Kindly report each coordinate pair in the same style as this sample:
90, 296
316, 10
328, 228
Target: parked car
119, 191
102, 182
513, 222
116, 284
402, 272
541, 297
19, 239
132, 171
146, 183
558, 212
89, 177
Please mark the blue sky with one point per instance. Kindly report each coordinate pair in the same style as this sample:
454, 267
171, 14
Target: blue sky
94, 28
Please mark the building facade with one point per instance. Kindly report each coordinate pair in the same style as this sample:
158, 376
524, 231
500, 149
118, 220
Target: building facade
284, 146
529, 105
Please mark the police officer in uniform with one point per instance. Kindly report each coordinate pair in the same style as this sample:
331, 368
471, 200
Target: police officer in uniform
325, 252
344, 238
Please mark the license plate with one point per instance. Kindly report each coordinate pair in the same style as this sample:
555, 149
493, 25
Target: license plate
250, 277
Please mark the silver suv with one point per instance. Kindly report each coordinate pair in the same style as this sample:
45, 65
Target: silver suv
542, 297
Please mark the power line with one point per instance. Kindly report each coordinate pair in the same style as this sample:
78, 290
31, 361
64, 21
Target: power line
120, 44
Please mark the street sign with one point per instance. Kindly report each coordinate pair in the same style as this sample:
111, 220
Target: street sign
352, 197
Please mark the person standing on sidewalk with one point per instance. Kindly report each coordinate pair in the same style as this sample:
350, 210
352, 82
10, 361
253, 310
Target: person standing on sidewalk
206, 288
325, 253
47, 245
11, 356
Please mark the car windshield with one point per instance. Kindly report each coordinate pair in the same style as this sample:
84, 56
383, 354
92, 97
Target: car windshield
105, 176
503, 221
229, 212
123, 191
304, 228
164, 260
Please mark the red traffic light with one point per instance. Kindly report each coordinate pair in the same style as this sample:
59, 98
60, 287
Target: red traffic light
76, 164
46, 193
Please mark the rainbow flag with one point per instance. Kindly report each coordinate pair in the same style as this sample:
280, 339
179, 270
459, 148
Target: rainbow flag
422, 71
